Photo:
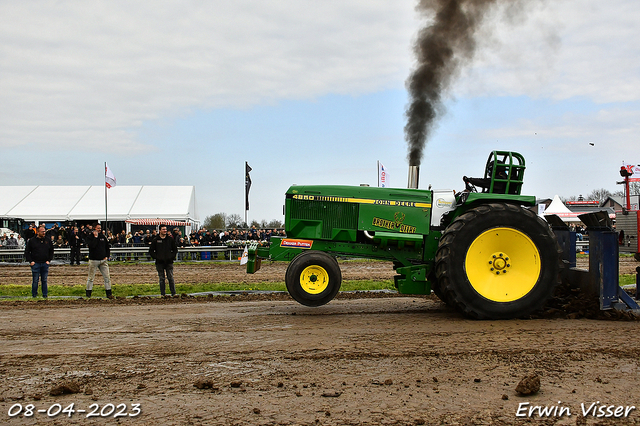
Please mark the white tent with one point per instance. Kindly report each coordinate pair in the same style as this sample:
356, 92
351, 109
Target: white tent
69, 203
558, 208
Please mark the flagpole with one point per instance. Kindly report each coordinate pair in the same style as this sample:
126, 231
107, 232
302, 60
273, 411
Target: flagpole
247, 186
378, 172
105, 196
246, 195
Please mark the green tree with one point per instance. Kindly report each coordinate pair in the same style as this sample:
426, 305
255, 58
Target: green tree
216, 221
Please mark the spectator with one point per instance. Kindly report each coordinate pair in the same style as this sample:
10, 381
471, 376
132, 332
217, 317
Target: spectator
31, 232
39, 254
88, 230
74, 241
59, 243
163, 249
99, 251
207, 239
53, 232
21, 242
12, 243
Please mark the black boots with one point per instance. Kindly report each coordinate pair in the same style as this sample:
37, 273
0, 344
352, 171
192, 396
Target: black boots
109, 294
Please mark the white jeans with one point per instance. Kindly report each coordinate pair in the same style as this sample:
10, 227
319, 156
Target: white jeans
104, 270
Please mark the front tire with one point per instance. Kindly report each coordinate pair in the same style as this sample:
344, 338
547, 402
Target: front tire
313, 278
497, 261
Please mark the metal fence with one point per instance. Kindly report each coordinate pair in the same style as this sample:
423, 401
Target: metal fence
134, 254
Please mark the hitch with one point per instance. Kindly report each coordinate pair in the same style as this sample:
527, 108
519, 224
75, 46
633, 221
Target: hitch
602, 278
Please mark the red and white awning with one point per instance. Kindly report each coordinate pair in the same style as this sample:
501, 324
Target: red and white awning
156, 222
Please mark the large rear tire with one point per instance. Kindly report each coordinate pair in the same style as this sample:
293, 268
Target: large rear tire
497, 261
313, 278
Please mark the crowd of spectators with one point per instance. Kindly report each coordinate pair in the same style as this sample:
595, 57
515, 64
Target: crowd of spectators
202, 237
59, 236
12, 241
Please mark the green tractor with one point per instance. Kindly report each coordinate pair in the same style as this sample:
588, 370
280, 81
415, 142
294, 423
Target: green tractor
480, 250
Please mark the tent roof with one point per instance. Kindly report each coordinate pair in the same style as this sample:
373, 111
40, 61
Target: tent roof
61, 203
556, 206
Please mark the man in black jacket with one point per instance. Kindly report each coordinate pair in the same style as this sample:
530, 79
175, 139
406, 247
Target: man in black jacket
99, 252
39, 253
163, 249
74, 240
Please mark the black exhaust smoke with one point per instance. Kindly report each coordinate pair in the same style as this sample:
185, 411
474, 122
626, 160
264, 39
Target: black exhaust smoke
441, 50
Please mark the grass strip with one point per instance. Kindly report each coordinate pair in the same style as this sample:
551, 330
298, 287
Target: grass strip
128, 290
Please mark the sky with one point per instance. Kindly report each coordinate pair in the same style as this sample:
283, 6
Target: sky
308, 92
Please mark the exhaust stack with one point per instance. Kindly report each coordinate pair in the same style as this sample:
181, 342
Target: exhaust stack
414, 174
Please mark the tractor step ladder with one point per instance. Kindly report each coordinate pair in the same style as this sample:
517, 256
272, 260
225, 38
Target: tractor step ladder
602, 278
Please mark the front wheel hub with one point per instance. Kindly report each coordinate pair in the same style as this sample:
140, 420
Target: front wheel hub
314, 279
499, 263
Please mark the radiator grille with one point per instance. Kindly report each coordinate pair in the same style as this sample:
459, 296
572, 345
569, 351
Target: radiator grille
333, 215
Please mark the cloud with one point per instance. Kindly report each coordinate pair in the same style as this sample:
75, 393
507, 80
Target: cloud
87, 75
607, 127
82, 75
559, 50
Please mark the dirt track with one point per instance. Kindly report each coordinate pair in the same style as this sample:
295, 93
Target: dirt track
373, 361
193, 273
217, 272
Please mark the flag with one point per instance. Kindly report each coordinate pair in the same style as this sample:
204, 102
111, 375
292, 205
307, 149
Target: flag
383, 176
635, 172
109, 178
541, 208
247, 184
245, 256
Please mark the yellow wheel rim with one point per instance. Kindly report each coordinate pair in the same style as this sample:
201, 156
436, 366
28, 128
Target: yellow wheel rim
314, 279
503, 264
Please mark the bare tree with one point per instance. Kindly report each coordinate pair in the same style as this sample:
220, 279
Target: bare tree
599, 195
234, 221
223, 221
634, 189
274, 224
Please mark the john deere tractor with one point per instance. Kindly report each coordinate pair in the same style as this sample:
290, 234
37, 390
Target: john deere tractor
480, 250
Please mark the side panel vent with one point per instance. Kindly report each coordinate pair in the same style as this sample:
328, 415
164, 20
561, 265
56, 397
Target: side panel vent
334, 217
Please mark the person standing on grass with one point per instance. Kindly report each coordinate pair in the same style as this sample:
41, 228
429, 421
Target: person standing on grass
39, 254
99, 252
74, 240
163, 249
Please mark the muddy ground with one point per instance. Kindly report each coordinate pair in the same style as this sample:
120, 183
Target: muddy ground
189, 273
217, 272
360, 360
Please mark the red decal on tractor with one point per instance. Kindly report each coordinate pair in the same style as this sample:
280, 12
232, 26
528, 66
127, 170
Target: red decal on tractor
303, 244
